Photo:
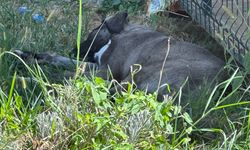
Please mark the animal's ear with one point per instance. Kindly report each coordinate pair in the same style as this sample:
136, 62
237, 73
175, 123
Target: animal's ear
116, 23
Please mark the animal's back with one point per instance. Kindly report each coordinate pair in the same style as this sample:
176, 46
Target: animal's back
139, 45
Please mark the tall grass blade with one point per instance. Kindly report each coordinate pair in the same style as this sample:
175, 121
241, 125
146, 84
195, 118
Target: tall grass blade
79, 31
231, 105
227, 82
11, 90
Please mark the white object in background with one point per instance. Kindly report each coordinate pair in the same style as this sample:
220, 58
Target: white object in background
156, 6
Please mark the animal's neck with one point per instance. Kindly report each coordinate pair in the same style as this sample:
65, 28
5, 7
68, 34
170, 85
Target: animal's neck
100, 53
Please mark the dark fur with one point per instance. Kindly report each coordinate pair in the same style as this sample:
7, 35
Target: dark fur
135, 44
104, 34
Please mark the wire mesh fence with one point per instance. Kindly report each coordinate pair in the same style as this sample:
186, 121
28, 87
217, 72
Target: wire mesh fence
226, 20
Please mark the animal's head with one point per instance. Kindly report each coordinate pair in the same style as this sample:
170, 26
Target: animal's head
101, 35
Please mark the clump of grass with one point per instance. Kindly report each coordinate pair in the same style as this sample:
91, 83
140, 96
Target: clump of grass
22, 32
80, 114
131, 6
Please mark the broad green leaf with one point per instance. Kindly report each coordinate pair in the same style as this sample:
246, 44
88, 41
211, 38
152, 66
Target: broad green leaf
169, 129
95, 95
99, 81
103, 95
189, 130
187, 118
186, 140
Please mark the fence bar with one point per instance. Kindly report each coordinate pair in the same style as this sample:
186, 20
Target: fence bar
228, 18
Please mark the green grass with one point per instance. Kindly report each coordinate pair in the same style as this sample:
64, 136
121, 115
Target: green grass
41, 109
131, 6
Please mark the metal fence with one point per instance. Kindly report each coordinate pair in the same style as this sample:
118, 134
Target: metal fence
226, 20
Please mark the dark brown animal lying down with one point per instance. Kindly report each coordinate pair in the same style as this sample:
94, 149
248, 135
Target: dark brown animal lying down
118, 45
130, 44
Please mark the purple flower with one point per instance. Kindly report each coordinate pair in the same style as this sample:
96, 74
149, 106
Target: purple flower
23, 9
38, 18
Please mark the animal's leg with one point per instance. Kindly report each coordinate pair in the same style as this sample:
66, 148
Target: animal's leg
50, 58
